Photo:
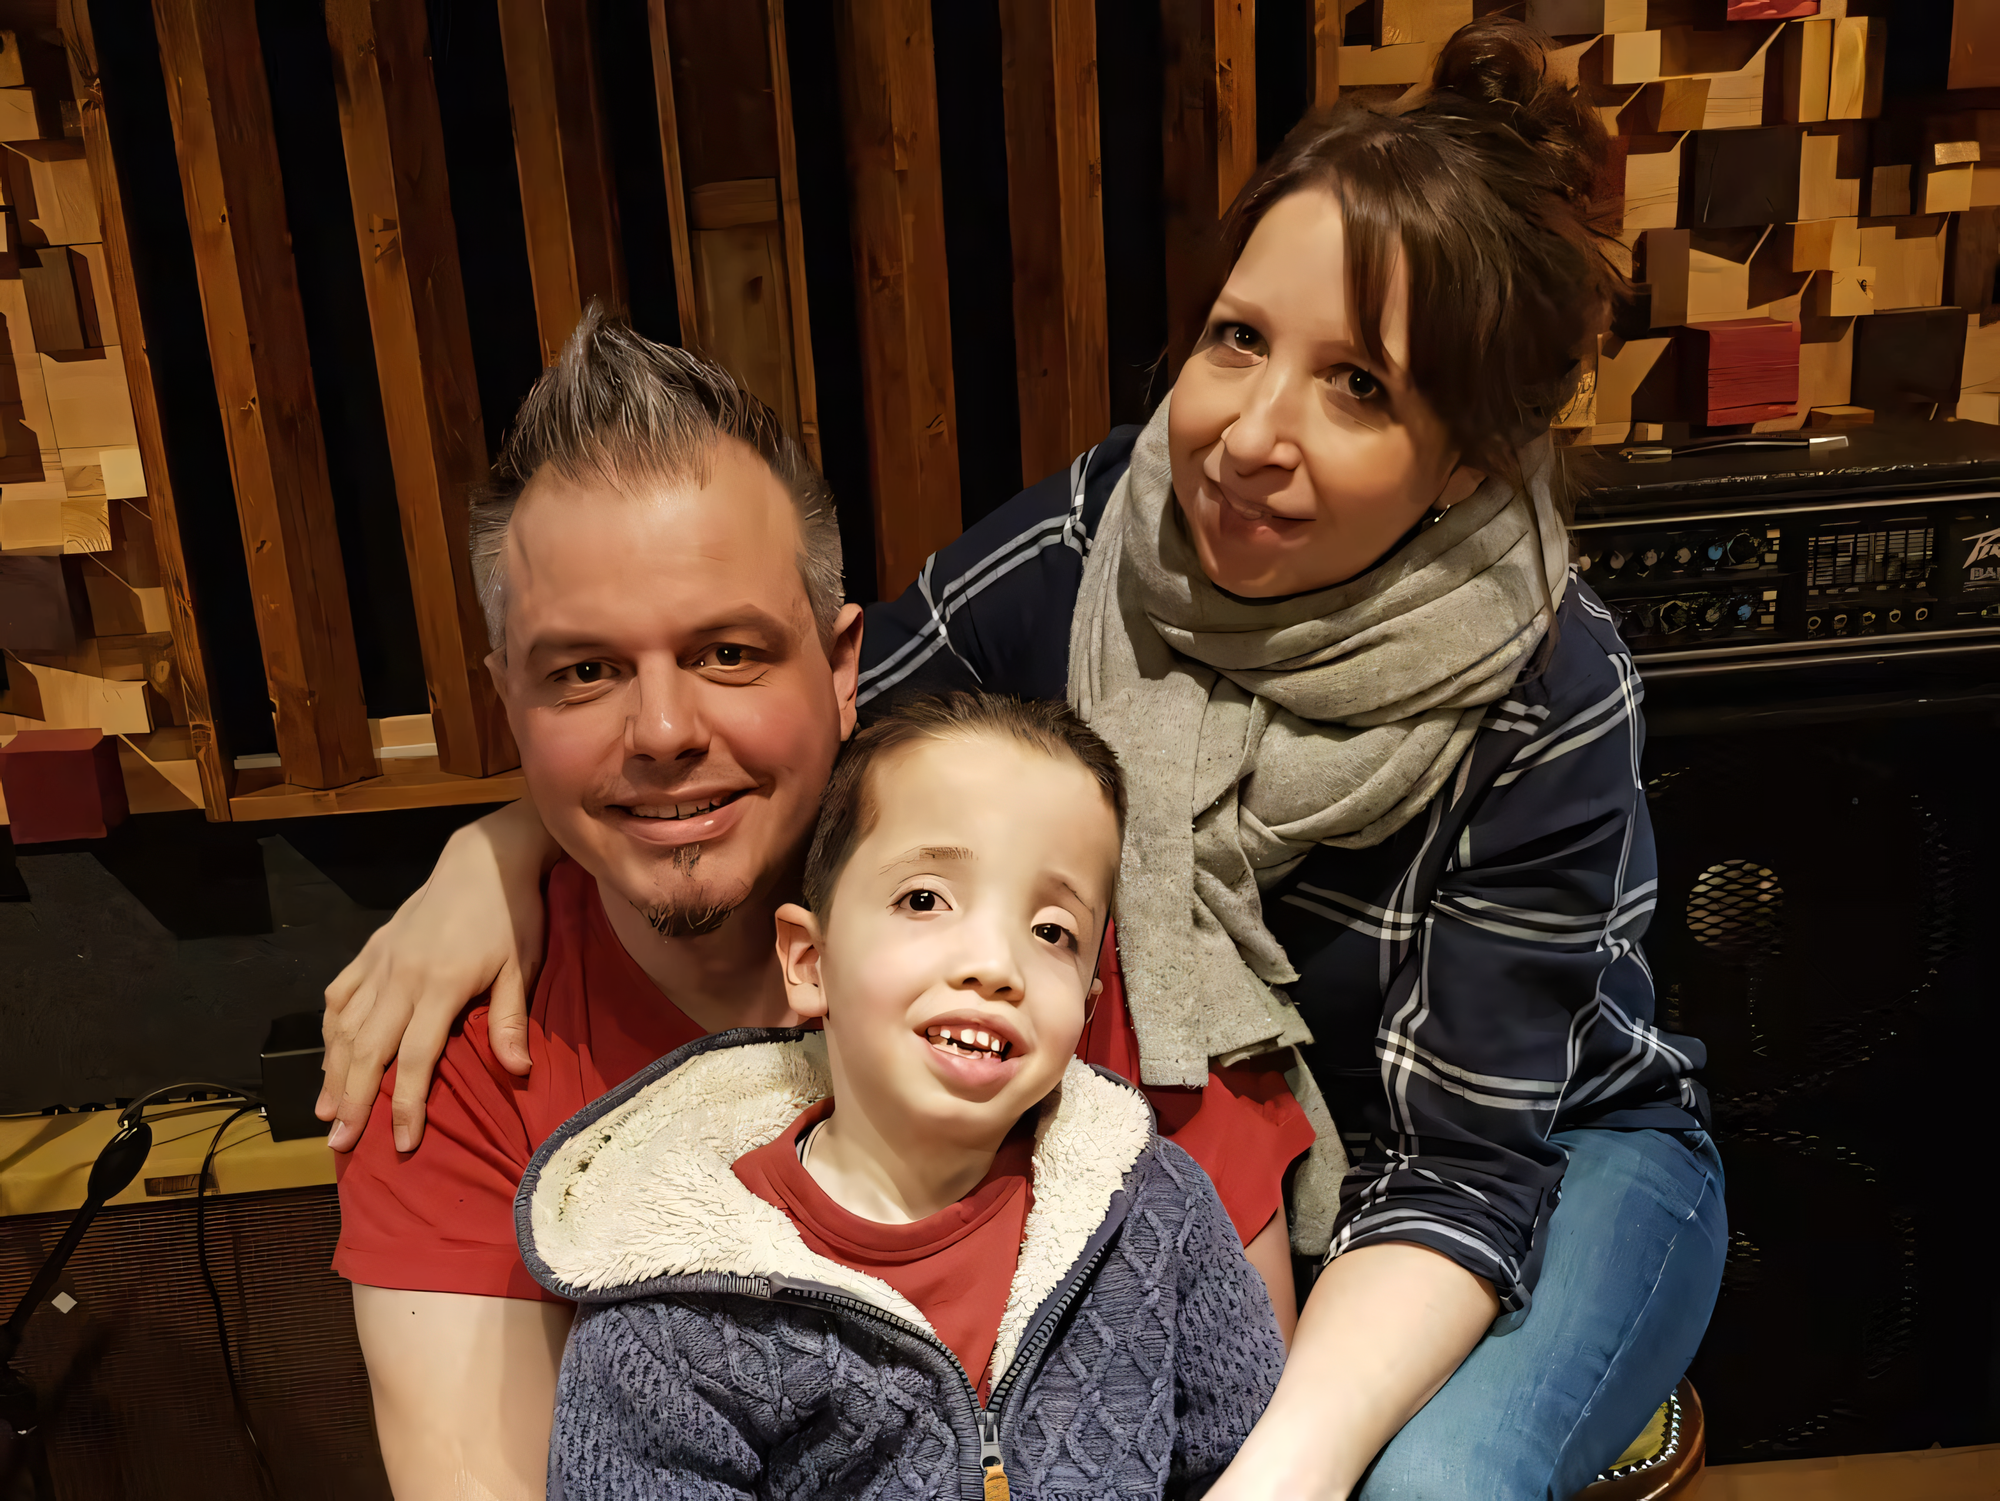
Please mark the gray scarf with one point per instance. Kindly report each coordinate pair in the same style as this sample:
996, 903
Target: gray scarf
1251, 732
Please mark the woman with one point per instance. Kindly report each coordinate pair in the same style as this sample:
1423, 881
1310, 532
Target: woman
1383, 751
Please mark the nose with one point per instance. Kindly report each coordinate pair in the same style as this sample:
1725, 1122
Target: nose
1264, 432
666, 722
986, 963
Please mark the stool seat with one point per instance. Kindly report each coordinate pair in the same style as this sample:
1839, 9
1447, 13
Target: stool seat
1665, 1458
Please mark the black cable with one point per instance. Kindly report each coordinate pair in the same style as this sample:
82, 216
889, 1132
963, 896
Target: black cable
133, 1111
215, 1300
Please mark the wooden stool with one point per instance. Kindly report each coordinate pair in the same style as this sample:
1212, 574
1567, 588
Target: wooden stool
1662, 1461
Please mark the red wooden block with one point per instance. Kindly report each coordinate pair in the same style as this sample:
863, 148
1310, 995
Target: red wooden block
1771, 10
1742, 370
62, 784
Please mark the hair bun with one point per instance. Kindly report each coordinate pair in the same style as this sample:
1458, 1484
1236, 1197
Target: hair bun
1499, 67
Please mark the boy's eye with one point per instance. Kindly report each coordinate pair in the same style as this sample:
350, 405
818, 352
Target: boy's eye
921, 901
1056, 933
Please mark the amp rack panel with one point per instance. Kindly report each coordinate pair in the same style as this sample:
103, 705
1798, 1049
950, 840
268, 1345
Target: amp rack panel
1797, 577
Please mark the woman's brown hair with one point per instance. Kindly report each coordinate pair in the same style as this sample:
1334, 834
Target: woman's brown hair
1484, 184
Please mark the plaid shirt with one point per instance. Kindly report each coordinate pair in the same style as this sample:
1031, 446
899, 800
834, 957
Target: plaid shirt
1475, 983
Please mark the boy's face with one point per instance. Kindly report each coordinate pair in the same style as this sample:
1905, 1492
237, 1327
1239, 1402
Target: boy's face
972, 910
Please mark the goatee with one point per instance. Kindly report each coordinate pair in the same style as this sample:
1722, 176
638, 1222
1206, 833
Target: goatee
696, 918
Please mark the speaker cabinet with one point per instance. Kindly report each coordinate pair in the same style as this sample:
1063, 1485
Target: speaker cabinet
149, 1418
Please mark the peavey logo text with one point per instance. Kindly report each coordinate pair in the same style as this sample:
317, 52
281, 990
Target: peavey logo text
1984, 548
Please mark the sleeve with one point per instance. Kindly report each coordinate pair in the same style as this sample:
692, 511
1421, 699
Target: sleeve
1244, 1129
441, 1218
633, 1422
992, 609
1228, 1353
1526, 959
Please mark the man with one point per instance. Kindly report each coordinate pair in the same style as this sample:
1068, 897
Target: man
661, 571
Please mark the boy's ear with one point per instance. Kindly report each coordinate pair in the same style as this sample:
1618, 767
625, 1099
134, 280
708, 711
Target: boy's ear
798, 956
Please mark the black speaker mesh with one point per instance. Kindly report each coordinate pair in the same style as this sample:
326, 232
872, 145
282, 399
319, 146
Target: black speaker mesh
151, 1420
1827, 900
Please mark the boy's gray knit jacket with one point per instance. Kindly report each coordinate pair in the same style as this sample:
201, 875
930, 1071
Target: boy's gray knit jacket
714, 1355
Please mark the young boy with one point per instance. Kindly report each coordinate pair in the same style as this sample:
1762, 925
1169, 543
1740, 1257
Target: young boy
922, 1253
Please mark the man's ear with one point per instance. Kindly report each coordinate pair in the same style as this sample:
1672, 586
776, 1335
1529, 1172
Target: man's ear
799, 957
845, 655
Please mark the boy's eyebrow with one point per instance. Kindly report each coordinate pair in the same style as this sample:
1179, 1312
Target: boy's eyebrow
928, 852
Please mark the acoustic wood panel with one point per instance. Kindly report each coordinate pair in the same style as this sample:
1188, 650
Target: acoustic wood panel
1208, 48
230, 180
889, 99
423, 355
567, 197
1055, 215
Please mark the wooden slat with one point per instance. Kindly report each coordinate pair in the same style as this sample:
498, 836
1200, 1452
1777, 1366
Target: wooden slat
1048, 66
416, 783
567, 199
221, 107
1210, 131
423, 354
723, 85
209, 744
1329, 19
889, 103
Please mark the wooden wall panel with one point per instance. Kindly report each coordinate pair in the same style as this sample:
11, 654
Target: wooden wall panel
423, 355
1056, 217
1210, 135
230, 179
722, 82
190, 647
567, 198
889, 103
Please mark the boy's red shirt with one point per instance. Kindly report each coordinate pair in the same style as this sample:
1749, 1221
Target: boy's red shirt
441, 1218
956, 1266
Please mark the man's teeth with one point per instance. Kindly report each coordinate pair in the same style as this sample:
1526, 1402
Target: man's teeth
681, 810
970, 1040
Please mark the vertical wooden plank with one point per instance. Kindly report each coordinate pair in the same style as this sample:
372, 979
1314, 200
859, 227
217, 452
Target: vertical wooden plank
794, 228
1055, 213
723, 83
221, 108
1210, 138
211, 750
1329, 20
394, 140
889, 101
567, 198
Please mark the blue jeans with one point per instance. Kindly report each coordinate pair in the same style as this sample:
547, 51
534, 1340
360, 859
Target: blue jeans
1628, 1281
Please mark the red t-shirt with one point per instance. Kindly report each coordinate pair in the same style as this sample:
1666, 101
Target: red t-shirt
441, 1218
956, 1266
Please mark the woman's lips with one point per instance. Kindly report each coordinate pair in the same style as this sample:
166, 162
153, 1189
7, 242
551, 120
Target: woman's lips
1245, 521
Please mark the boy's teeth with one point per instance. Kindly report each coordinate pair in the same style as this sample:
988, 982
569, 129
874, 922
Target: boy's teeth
970, 1040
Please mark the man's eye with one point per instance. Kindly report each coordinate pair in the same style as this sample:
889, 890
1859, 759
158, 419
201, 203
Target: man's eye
589, 672
1056, 933
921, 901
1359, 384
725, 656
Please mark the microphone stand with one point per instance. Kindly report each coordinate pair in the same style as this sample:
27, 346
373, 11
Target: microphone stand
25, 1416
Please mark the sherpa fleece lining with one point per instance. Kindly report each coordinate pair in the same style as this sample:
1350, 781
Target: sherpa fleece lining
649, 1190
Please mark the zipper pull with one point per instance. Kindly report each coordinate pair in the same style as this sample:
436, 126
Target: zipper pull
989, 1456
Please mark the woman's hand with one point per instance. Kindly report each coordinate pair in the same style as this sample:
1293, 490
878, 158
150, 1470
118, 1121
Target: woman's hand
475, 925
1384, 1328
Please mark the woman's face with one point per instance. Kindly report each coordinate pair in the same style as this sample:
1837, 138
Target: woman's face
1299, 461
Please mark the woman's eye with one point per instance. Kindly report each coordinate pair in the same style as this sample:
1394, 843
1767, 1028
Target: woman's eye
1242, 338
1056, 933
1358, 384
921, 901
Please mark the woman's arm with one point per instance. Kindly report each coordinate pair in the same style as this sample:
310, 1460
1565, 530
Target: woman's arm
1385, 1327
475, 925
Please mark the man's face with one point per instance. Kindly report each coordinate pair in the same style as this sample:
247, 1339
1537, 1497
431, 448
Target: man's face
675, 711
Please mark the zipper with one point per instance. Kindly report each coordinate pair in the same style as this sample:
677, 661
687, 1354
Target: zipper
985, 1418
